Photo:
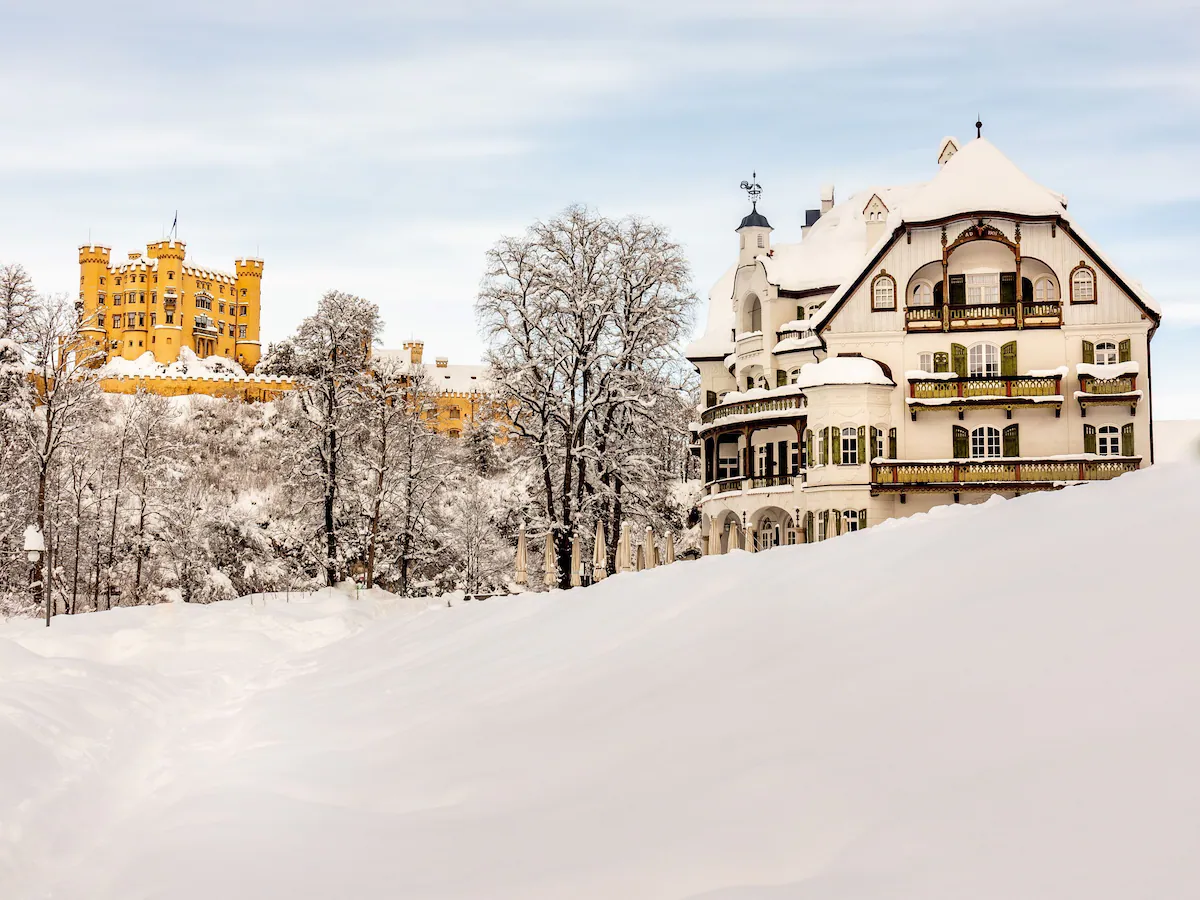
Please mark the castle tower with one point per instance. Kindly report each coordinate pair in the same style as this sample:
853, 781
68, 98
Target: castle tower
168, 303
416, 351
93, 290
248, 291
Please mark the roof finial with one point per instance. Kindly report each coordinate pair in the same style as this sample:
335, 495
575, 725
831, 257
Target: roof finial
978, 127
753, 189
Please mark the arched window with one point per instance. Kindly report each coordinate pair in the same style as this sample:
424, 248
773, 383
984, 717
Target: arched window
794, 375
850, 446
883, 293
983, 360
170, 276
1106, 353
753, 317
1108, 440
922, 294
1045, 290
1083, 284
985, 442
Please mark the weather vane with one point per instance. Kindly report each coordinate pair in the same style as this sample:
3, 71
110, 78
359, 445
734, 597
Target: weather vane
753, 189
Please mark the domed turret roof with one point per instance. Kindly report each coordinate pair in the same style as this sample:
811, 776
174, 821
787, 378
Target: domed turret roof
754, 220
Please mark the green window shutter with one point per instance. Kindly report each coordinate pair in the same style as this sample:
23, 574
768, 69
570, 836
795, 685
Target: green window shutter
710, 398
958, 360
809, 537
1012, 440
862, 445
862, 518
1125, 348
811, 440
941, 362
962, 442
874, 444
799, 312
892, 444
825, 522
824, 446
1089, 438
837, 521
1008, 287
1127, 440
1008, 358
958, 290
780, 378
1089, 352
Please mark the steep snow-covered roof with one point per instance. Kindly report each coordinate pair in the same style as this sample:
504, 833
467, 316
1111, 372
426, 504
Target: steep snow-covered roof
716, 339
458, 379
843, 370
979, 178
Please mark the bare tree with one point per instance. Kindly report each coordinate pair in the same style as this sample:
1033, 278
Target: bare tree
66, 396
152, 422
583, 317
332, 349
18, 299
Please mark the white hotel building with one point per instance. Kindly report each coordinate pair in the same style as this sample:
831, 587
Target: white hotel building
922, 345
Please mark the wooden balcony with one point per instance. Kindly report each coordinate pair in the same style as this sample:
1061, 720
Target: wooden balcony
1119, 391
787, 406
1005, 392
984, 317
992, 475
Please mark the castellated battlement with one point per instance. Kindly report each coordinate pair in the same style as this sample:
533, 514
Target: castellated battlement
94, 253
172, 249
249, 266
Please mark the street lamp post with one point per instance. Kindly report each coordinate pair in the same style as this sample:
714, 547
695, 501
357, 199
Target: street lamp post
35, 547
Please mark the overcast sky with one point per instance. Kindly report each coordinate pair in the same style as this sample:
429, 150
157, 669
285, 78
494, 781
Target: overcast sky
380, 148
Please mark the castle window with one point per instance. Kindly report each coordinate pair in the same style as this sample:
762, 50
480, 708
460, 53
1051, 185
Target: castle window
243, 292
1083, 284
883, 293
142, 297
243, 310
242, 331
985, 443
983, 288
142, 279
170, 276
1106, 353
1108, 441
170, 317
116, 281
221, 306
983, 360
141, 320
153, 320
922, 294
102, 279
100, 320
130, 319
1044, 290
221, 328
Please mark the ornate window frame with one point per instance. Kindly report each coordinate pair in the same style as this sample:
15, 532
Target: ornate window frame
1084, 267
875, 284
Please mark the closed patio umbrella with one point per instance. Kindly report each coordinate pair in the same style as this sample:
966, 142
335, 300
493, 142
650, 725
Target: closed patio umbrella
651, 549
641, 557
624, 550
599, 555
522, 561
670, 547
576, 563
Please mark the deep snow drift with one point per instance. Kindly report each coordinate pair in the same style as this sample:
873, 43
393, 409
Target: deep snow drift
990, 702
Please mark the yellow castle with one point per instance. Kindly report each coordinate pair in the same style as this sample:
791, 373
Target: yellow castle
162, 302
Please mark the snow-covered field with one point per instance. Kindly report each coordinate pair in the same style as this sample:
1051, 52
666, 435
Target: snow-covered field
988, 702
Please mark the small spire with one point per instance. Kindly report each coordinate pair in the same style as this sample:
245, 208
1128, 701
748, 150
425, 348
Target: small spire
978, 127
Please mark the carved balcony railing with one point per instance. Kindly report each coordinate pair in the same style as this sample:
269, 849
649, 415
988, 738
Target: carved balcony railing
726, 485
1121, 391
764, 481
796, 333
758, 405
999, 391
984, 316
1014, 474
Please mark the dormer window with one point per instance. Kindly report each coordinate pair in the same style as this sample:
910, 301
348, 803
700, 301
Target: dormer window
1083, 284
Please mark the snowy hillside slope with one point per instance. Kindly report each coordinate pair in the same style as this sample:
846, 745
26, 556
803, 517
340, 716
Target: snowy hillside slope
987, 702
